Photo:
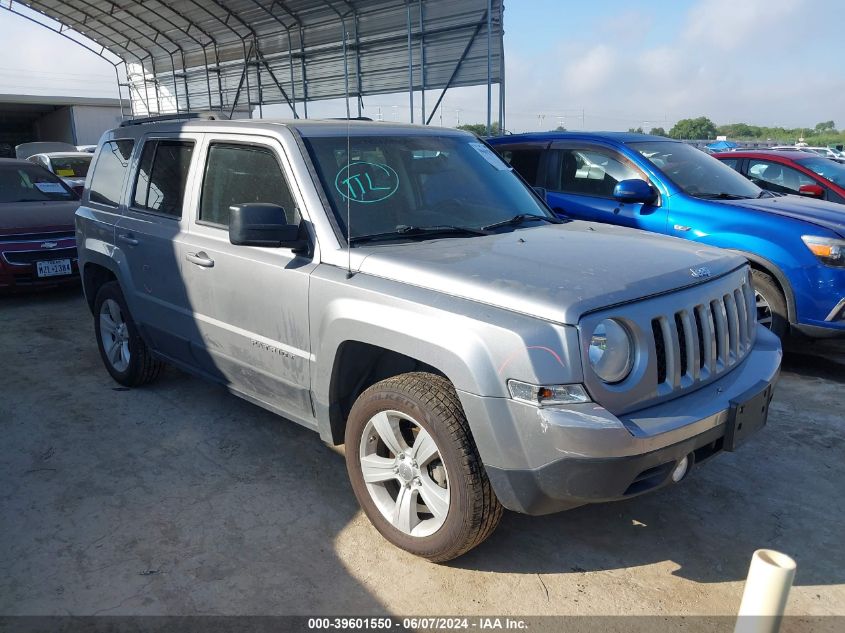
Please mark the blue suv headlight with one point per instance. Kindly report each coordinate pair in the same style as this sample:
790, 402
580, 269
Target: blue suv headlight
830, 251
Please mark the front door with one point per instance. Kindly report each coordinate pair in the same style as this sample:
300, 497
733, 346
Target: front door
250, 304
581, 179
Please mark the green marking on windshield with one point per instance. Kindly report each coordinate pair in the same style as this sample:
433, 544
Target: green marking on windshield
366, 182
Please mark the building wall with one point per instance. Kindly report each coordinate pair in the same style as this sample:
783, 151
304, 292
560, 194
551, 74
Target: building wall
89, 122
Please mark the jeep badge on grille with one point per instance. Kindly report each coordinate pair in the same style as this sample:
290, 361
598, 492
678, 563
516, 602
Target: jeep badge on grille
700, 272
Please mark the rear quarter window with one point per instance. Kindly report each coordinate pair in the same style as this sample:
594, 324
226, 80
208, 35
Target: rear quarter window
109, 172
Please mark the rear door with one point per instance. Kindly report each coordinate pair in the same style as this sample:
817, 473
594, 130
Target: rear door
147, 236
250, 304
527, 159
580, 181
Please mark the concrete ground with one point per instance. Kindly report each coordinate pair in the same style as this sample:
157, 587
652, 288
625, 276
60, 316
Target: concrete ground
179, 498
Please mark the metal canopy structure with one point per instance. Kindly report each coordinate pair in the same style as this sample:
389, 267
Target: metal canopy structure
234, 55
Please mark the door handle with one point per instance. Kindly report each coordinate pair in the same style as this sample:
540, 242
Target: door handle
128, 239
200, 259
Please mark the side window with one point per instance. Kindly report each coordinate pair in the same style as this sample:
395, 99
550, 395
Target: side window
590, 172
237, 174
777, 177
524, 161
163, 176
107, 179
733, 163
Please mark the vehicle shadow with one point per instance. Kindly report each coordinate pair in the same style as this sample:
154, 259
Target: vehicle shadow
175, 498
823, 358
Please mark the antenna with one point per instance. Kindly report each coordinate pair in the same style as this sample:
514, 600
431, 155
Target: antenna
348, 214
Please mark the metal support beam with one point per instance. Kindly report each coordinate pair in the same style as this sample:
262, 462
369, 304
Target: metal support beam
422, 61
410, 63
489, 67
457, 67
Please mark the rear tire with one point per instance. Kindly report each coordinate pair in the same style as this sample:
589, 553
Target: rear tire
771, 304
411, 435
125, 354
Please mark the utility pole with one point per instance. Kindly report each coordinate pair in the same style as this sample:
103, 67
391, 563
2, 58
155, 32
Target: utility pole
540, 119
458, 117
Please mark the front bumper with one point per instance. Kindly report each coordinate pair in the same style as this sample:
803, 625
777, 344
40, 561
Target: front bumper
18, 264
543, 460
820, 301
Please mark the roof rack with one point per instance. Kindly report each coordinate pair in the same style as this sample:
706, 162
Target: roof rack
182, 116
350, 118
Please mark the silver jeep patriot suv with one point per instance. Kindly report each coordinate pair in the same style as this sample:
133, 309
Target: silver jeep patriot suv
401, 291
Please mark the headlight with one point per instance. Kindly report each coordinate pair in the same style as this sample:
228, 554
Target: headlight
611, 351
829, 250
547, 394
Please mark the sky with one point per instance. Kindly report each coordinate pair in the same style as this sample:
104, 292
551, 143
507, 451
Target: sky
609, 64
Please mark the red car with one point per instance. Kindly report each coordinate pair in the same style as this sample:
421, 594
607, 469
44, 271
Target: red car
37, 234
797, 172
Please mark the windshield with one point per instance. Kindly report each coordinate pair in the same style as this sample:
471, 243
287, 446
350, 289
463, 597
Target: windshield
393, 183
30, 183
696, 173
826, 168
71, 166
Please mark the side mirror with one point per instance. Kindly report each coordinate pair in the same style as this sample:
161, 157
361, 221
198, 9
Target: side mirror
811, 191
634, 190
263, 224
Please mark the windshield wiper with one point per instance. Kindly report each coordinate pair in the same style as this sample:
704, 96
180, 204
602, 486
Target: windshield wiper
520, 219
418, 231
720, 196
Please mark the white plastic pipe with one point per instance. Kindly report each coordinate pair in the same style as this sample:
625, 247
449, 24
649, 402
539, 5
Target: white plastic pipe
769, 580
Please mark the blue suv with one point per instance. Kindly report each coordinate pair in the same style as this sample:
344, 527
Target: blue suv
796, 246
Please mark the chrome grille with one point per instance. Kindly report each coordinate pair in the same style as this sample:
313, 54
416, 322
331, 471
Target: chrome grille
22, 258
701, 341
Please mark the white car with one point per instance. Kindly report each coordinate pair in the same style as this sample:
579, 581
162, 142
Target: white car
71, 167
827, 152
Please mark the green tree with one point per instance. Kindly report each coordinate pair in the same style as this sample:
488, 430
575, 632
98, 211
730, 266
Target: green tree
637, 130
739, 130
479, 129
826, 127
560, 128
700, 128
657, 131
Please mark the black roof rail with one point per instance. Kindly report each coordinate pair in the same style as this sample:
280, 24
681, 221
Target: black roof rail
351, 118
181, 116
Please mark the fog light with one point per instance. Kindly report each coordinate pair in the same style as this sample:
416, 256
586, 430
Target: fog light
680, 470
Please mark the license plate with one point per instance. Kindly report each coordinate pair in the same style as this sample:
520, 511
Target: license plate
748, 415
53, 268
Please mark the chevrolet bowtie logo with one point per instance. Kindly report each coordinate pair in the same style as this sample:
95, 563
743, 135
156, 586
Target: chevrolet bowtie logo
49, 244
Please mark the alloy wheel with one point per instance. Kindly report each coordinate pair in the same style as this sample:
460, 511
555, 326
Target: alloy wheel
404, 473
764, 310
114, 334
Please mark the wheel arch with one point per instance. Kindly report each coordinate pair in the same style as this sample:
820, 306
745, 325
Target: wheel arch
94, 276
356, 367
764, 265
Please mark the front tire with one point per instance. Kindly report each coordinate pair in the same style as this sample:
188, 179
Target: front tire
415, 469
125, 355
771, 304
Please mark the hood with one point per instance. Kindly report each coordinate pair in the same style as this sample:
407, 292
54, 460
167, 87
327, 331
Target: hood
825, 214
554, 272
25, 216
